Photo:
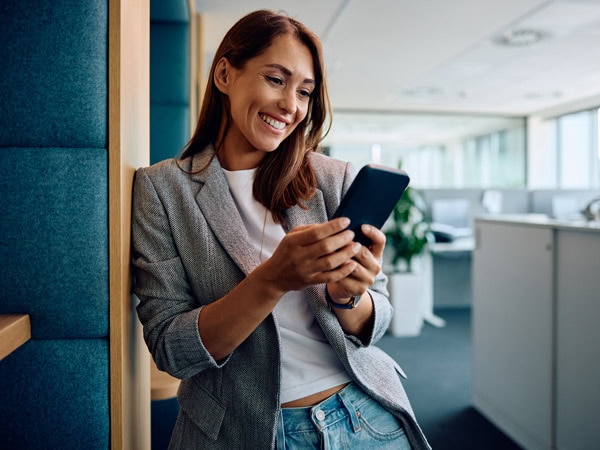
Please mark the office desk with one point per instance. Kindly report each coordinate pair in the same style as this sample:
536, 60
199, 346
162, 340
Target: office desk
452, 273
459, 245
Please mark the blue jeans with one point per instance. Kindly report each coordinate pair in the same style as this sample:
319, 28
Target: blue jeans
349, 419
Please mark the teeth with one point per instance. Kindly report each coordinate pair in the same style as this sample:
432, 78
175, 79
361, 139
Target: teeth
274, 123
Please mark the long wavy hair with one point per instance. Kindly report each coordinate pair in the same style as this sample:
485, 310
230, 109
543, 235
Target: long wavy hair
284, 177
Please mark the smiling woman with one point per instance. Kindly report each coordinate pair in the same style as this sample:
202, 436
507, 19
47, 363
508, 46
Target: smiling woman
258, 300
267, 101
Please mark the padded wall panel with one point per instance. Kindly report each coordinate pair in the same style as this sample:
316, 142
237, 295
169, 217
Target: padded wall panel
55, 395
169, 64
54, 240
54, 73
169, 11
169, 131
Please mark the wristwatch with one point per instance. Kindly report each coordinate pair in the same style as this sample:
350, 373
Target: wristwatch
351, 304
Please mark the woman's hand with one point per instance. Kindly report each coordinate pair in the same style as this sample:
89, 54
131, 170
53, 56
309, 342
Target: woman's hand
307, 255
359, 321
312, 254
368, 266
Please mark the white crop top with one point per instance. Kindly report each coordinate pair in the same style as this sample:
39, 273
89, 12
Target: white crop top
309, 364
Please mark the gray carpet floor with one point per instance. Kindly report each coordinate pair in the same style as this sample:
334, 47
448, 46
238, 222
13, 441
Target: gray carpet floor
438, 366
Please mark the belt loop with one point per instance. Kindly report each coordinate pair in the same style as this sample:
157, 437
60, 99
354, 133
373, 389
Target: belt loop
352, 413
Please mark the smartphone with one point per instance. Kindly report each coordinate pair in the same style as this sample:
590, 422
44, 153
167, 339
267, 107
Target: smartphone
372, 197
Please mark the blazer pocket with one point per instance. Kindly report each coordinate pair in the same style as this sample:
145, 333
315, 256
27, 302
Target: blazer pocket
202, 408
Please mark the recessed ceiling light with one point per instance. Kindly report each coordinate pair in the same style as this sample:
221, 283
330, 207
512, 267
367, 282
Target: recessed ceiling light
521, 37
426, 92
542, 95
422, 91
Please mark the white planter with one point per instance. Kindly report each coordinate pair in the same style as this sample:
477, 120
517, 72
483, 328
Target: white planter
406, 295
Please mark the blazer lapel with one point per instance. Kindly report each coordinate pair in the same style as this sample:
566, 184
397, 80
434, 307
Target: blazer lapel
217, 205
314, 213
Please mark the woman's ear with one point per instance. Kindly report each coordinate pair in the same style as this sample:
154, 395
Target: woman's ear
222, 76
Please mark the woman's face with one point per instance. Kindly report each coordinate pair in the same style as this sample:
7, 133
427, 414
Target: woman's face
268, 98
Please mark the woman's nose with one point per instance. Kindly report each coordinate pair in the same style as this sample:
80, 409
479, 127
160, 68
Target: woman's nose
288, 101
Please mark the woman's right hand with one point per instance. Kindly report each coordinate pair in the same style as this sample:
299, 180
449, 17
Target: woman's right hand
311, 254
307, 255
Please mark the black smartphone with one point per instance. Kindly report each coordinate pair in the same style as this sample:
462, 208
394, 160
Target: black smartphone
372, 197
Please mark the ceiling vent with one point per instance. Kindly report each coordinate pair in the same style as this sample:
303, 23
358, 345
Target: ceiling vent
521, 37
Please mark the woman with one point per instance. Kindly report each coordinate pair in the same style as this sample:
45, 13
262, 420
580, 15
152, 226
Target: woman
265, 308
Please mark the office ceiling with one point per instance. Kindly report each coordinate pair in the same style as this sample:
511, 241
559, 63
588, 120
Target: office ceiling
439, 56
443, 55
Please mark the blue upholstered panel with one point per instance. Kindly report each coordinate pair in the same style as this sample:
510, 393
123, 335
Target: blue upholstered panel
55, 395
169, 131
169, 11
54, 73
54, 240
169, 64
163, 416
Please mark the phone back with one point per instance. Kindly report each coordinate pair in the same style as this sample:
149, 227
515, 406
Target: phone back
372, 197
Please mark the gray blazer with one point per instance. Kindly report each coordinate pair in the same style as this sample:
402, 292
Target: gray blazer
190, 248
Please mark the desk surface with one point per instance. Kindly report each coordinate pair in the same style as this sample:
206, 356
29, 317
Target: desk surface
15, 330
463, 244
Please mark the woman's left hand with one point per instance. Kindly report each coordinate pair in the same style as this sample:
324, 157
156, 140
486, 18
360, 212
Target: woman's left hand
369, 265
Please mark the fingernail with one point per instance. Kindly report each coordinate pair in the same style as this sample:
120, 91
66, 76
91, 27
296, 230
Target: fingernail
345, 222
366, 228
356, 247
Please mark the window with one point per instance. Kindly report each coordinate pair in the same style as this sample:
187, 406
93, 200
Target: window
577, 153
438, 151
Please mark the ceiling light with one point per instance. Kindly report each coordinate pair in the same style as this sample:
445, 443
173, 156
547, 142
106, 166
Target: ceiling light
422, 91
522, 37
543, 95
425, 92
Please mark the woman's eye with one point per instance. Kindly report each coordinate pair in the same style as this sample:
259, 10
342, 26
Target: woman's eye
304, 93
275, 80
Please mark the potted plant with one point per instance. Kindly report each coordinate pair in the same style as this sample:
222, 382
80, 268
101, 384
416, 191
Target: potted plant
410, 283
408, 232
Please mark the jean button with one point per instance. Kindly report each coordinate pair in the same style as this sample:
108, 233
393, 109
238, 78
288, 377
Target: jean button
320, 415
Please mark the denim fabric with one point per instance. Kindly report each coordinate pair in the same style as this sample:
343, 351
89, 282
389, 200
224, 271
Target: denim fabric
349, 419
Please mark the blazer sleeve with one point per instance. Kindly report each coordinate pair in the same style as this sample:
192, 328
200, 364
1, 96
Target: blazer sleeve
167, 309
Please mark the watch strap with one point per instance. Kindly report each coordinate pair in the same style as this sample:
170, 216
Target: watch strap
350, 304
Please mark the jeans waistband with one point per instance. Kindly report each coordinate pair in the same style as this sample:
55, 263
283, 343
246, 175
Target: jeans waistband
340, 405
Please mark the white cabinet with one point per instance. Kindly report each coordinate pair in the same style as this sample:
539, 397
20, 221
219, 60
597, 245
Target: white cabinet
578, 341
536, 339
512, 330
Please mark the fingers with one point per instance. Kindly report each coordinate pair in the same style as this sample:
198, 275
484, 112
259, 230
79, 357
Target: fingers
331, 260
377, 238
306, 235
326, 253
325, 246
313, 254
369, 261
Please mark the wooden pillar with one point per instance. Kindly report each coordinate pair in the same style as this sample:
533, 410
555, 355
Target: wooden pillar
128, 148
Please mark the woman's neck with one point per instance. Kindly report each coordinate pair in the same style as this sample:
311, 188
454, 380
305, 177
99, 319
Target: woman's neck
238, 154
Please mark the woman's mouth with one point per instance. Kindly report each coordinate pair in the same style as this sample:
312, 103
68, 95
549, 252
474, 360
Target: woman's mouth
274, 123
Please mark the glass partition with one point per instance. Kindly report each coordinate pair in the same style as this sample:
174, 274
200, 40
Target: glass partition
437, 150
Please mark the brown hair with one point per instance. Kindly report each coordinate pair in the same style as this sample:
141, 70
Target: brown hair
285, 177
